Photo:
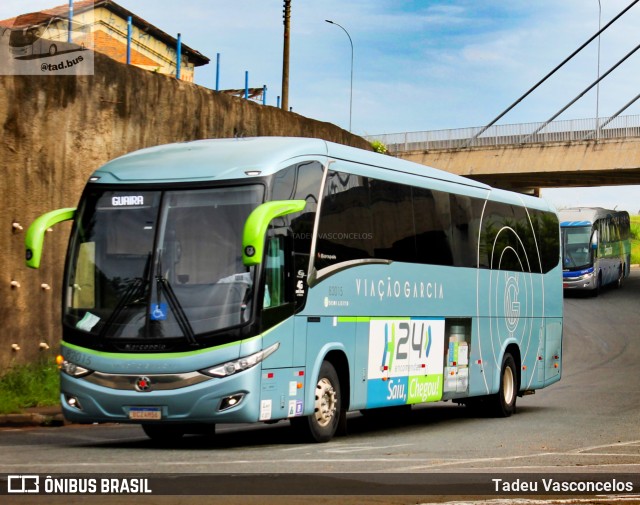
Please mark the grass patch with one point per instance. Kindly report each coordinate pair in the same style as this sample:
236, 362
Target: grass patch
635, 240
29, 385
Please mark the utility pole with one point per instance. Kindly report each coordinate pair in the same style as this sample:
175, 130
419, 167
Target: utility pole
285, 56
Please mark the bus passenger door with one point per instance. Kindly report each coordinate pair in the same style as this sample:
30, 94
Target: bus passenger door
277, 298
329, 334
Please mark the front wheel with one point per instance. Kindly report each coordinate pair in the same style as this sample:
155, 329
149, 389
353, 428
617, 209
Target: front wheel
328, 414
596, 290
620, 280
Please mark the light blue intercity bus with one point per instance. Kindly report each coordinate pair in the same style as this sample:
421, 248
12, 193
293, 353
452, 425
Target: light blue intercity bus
596, 250
266, 279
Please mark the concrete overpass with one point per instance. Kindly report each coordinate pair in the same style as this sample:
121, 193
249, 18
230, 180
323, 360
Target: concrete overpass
524, 157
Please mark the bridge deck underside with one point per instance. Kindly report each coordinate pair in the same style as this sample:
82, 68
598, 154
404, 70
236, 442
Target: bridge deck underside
522, 167
526, 180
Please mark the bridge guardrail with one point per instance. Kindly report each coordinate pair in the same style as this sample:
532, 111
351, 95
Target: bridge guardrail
512, 134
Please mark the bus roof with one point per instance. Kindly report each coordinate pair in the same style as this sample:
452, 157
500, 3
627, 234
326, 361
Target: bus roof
220, 159
226, 159
585, 216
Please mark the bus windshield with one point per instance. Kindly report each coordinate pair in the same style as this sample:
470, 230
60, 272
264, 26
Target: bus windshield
576, 247
24, 37
158, 265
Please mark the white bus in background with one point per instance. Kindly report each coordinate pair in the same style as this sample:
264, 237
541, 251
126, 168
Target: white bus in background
35, 36
595, 248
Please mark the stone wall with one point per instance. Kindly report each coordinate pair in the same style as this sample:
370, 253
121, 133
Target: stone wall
58, 129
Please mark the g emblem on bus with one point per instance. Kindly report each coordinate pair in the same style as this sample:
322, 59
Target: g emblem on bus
143, 384
511, 303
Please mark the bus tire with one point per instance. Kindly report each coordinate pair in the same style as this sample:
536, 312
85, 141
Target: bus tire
596, 291
504, 402
620, 281
328, 414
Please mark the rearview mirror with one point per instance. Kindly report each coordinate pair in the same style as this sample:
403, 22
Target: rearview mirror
255, 227
34, 239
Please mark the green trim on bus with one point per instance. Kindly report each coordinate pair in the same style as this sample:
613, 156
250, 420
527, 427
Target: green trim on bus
34, 239
257, 223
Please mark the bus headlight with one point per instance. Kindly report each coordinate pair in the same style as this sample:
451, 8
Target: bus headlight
231, 367
74, 370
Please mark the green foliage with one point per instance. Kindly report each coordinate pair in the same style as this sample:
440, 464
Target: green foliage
29, 385
379, 147
635, 240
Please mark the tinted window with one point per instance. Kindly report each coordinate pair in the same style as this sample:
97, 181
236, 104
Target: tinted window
299, 182
545, 226
284, 184
365, 218
505, 239
392, 221
465, 221
432, 227
345, 231
510, 241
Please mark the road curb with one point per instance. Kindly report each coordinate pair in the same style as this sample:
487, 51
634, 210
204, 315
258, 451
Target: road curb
31, 419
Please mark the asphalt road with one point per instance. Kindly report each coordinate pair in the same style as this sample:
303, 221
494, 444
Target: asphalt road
588, 422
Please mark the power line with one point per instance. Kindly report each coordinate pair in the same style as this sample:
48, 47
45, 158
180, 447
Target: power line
620, 62
591, 39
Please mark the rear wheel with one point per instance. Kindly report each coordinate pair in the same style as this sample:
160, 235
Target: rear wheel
328, 414
503, 404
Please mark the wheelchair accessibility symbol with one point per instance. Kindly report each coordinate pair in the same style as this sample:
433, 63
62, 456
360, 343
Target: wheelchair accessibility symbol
158, 311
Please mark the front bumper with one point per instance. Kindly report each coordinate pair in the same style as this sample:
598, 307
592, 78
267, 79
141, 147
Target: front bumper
586, 281
207, 401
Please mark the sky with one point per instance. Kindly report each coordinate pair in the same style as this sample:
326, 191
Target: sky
418, 65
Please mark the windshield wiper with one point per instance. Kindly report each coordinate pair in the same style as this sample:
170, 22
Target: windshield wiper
176, 307
135, 289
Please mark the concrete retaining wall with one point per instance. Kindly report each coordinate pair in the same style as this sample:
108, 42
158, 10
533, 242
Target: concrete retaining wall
59, 129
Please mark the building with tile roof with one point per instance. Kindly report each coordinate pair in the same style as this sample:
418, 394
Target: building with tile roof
102, 25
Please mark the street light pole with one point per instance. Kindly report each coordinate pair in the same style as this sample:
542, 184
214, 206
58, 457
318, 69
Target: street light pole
351, 88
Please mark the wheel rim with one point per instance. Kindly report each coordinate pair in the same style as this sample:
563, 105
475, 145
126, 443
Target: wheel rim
326, 404
508, 385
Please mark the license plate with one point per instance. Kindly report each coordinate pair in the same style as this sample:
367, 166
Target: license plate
145, 413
